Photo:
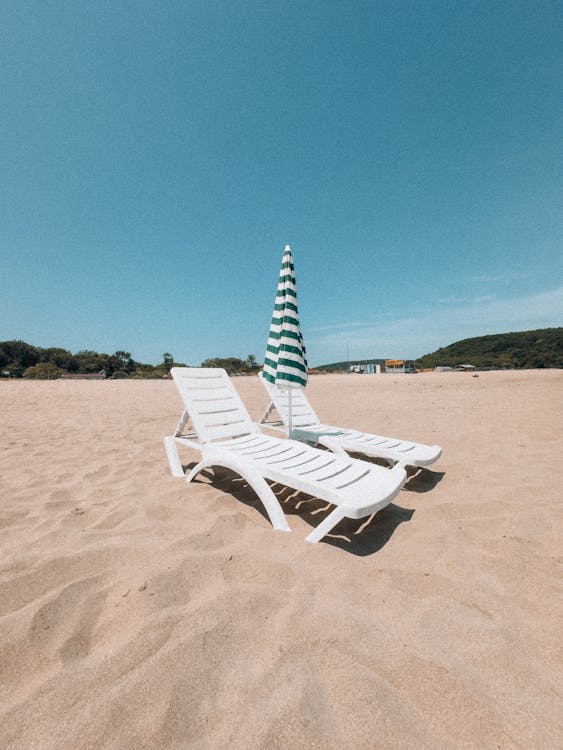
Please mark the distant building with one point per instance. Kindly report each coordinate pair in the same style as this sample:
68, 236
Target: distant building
368, 368
400, 365
465, 368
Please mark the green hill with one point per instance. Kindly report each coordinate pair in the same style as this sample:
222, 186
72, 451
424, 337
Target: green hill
519, 350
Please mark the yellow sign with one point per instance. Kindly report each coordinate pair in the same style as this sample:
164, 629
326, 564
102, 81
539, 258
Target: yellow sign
394, 362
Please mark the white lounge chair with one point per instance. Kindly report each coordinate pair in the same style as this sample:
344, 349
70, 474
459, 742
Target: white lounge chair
225, 435
306, 426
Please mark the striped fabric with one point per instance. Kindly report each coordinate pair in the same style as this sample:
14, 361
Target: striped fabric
285, 362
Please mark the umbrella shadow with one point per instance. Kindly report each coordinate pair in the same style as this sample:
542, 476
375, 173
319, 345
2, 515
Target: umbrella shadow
358, 537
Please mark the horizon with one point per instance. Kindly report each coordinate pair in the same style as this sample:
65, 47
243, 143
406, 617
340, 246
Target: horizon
362, 360
157, 160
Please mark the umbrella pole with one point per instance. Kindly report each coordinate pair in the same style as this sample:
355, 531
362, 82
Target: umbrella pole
290, 425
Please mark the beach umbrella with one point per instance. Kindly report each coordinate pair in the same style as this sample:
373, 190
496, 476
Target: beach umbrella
285, 363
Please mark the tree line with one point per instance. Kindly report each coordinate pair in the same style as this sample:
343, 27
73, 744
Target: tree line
19, 359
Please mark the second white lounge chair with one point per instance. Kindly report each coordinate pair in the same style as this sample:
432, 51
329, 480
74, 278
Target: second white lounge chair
306, 426
226, 436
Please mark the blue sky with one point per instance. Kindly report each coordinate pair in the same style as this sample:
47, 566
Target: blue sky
157, 156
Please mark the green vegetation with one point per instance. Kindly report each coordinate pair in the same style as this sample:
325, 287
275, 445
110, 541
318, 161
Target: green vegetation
43, 371
520, 350
233, 365
21, 360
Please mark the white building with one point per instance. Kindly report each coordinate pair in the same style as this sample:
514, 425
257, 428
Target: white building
400, 365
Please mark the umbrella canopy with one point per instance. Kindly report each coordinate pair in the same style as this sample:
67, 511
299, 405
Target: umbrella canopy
285, 362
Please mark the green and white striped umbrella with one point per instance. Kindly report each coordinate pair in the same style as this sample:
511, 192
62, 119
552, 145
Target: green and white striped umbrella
286, 362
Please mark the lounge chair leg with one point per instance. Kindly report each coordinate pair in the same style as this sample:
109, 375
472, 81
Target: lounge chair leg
173, 459
256, 481
329, 523
267, 413
195, 471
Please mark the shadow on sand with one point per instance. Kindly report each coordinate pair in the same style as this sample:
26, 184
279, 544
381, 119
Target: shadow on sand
422, 480
418, 479
359, 537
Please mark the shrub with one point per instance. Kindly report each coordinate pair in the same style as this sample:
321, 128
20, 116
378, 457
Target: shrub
43, 371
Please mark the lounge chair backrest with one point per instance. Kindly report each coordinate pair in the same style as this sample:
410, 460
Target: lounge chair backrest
302, 413
213, 405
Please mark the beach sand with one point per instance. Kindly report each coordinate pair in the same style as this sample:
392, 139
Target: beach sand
137, 611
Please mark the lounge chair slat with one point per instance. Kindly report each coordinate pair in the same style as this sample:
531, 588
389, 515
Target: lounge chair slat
320, 465
308, 428
216, 409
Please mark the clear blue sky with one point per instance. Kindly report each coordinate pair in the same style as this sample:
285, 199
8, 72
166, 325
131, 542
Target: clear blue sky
155, 157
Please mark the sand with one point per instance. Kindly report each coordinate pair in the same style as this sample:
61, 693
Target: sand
137, 611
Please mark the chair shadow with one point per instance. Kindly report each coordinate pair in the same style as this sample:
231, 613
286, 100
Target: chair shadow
423, 480
231, 483
419, 479
358, 537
